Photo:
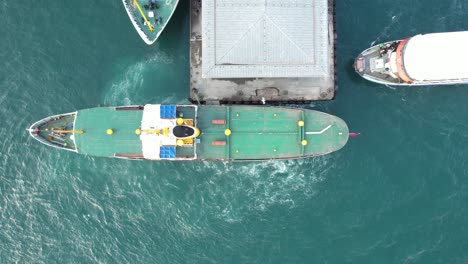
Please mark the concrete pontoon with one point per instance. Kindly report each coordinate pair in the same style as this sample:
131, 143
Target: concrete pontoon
262, 51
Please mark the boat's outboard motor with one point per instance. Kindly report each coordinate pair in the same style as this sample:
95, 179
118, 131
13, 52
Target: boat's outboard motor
183, 131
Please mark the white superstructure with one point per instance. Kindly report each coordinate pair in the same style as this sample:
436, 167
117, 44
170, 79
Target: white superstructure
157, 130
437, 57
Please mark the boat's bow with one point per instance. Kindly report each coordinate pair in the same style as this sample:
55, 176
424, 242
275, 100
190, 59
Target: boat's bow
380, 64
150, 17
57, 131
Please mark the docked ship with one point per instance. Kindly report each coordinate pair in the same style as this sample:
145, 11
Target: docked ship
191, 132
150, 17
429, 59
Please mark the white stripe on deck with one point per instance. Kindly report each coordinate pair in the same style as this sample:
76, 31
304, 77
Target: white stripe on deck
318, 133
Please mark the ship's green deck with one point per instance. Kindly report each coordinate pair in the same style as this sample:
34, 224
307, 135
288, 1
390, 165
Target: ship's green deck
95, 122
257, 132
267, 133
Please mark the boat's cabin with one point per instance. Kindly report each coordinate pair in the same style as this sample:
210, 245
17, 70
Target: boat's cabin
167, 132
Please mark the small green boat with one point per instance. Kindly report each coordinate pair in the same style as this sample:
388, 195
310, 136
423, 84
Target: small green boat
149, 17
190, 132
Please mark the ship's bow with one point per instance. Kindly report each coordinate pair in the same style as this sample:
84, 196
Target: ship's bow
56, 131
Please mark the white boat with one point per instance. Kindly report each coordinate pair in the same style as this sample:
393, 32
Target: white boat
429, 59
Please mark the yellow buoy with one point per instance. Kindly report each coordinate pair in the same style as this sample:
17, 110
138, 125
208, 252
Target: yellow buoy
197, 132
180, 121
227, 132
304, 142
110, 131
179, 142
138, 131
300, 123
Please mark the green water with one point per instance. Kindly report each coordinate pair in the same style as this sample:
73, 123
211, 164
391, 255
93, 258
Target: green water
396, 194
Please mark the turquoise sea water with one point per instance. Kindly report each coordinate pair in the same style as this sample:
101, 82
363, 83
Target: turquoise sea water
396, 194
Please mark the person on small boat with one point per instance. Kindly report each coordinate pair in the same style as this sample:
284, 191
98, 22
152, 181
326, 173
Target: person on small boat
152, 4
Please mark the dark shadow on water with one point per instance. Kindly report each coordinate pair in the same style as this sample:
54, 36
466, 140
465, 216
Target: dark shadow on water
351, 74
176, 32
